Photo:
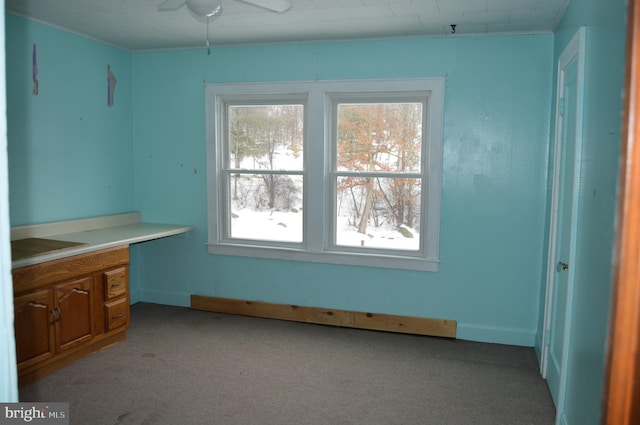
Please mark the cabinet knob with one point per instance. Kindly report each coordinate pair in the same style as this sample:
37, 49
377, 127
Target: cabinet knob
56, 315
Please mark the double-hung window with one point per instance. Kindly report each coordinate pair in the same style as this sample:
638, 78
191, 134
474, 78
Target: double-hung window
345, 172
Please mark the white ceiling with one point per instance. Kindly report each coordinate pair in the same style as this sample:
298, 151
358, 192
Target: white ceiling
138, 25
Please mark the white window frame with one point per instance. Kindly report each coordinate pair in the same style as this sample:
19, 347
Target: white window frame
222, 168
319, 100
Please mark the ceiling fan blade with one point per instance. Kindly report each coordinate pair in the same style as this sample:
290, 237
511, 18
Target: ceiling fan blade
279, 6
168, 5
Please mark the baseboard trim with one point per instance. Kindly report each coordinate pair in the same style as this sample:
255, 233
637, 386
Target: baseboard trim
323, 316
178, 299
496, 334
562, 419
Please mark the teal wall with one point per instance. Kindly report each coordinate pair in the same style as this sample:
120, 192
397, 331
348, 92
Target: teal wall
496, 135
605, 54
70, 156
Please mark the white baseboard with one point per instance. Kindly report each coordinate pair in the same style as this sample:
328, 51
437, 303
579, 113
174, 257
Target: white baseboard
496, 334
562, 419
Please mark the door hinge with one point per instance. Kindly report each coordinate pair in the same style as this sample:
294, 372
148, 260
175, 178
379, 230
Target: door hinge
547, 338
561, 106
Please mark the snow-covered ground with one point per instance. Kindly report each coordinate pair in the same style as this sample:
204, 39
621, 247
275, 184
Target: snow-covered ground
287, 227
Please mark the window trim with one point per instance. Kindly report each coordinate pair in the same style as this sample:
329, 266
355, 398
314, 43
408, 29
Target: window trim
317, 245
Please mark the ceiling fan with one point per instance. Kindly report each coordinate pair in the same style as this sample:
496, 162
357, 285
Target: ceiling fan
209, 8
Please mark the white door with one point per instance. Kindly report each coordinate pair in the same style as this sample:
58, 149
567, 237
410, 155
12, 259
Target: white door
560, 282
8, 368
561, 260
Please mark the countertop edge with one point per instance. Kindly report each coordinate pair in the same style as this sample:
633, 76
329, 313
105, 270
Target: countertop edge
103, 238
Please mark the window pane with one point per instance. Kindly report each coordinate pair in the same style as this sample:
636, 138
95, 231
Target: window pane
266, 137
266, 207
383, 137
375, 212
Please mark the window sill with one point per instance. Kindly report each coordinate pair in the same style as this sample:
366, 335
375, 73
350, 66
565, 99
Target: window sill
343, 258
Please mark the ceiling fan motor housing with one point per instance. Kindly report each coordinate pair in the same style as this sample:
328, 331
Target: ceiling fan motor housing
204, 7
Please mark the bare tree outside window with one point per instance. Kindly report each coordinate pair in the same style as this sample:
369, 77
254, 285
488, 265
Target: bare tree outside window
265, 167
379, 148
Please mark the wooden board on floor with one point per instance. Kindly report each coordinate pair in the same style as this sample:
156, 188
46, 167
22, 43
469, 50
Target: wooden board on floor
350, 319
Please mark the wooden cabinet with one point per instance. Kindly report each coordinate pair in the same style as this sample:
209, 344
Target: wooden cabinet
74, 313
35, 336
116, 307
69, 308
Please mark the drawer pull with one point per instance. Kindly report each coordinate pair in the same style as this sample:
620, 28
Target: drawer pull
117, 284
117, 316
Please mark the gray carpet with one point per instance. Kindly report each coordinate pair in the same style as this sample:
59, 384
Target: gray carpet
180, 366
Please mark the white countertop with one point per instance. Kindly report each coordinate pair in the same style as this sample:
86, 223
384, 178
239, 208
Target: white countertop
96, 234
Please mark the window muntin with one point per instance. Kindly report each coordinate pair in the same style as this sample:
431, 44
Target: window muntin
321, 174
378, 174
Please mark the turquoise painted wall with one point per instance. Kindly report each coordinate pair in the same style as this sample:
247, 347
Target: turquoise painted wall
605, 54
497, 110
71, 156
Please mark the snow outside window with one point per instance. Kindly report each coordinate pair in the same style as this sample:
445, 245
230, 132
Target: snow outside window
345, 172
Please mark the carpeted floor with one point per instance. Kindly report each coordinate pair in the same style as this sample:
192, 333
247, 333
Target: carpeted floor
181, 366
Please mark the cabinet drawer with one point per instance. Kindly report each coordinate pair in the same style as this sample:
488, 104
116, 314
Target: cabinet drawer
117, 313
115, 282
45, 274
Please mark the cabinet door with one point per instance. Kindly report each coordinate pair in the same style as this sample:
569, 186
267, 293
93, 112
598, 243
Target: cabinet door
34, 318
75, 307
